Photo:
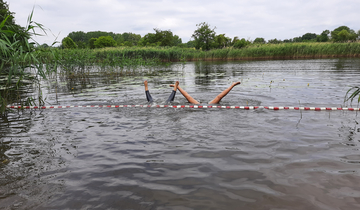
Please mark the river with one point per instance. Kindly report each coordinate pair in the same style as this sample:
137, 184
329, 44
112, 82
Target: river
188, 158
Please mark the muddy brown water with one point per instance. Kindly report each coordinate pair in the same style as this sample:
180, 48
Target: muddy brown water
166, 158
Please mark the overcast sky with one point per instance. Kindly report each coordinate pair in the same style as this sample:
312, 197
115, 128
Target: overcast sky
249, 19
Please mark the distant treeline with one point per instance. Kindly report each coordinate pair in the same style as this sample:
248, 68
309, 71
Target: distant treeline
204, 38
100, 39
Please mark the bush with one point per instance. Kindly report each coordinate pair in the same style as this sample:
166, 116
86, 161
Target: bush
104, 41
241, 43
92, 43
68, 43
259, 41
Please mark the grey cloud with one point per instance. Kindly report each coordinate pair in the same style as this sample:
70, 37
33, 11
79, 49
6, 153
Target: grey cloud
281, 19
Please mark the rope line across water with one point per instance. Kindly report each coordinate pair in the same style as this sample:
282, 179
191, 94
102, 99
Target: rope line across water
191, 106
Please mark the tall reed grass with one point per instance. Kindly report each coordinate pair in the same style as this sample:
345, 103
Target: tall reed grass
128, 56
19, 65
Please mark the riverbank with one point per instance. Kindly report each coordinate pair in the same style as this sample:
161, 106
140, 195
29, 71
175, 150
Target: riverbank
151, 55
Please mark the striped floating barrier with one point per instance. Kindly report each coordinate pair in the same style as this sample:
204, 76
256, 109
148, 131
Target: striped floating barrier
310, 108
189, 106
144, 106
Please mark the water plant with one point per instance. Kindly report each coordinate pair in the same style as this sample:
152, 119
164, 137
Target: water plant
123, 56
355, 93
19, 65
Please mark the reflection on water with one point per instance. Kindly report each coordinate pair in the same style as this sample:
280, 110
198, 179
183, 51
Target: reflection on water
148, 158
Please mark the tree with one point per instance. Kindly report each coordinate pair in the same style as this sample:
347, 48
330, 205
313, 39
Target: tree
164, 37
353, 36
309, 37
131, 38
274, 41
297, 39
68, 43
204, 36
149, 40
79, 37
190, 44
44, 46
241, 43
176, 40
259, 41
343, 34
119, 39
104, 41
234, 40
222, 41
160, 38
323, 37
82, 39
97, 34
92, 43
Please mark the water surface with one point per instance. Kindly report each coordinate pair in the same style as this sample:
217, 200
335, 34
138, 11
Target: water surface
166, 158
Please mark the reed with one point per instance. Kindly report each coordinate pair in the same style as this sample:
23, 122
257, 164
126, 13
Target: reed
352, 93
19, 65
135, 56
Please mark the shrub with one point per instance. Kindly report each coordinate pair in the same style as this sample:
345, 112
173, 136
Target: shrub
104, 41
241, 43
68, 43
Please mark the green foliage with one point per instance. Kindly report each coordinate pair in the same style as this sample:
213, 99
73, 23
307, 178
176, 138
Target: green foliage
259, 41
204, 36
97, 34
160, 38
86, 40
343, 34
18, 57
274, 41
104, 41
81, 45
297, 39
149, 40
222, 41
12, 31
68, 43
92, 43
78, 36
340, 28
308, 37
116, 56
241, 43
164, 37
190, 44
354, 94
323, 37
127, 44
131, 38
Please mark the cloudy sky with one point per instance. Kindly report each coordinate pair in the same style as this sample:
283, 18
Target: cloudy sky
249, 19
